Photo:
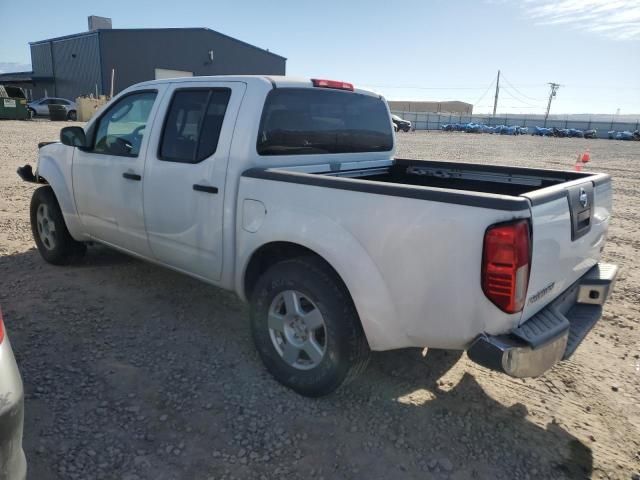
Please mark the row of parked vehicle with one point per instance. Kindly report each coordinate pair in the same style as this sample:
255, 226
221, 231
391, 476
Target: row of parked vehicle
564, 132
481, 128
624, 135
518, 130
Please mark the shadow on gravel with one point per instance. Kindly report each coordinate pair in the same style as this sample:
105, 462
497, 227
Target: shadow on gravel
134, 371
470, 421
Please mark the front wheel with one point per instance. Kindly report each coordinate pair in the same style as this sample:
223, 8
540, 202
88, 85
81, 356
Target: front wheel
306, 328
54, 242
72, 115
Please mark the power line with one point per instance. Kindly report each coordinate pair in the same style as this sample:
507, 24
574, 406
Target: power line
508, 92
484, 94
520, 93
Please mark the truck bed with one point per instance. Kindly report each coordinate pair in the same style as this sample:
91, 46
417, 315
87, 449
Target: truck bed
492, 179
478, 185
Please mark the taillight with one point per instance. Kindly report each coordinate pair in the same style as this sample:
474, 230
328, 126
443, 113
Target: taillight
331, 84
1, 327
505, 265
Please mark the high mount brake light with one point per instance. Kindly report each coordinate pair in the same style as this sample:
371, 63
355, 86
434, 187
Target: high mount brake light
332, 84
505, 265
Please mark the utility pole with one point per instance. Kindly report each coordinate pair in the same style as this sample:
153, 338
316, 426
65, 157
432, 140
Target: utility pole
495, 100
552, 93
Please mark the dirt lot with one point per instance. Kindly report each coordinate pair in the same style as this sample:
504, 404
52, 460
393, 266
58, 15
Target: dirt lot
135, 372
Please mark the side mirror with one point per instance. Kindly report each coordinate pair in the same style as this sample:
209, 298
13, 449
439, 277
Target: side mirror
73, 137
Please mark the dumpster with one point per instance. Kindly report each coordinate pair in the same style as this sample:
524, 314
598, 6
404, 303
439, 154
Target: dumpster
13, 103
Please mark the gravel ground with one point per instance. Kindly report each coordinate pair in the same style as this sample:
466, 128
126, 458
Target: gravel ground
132, 371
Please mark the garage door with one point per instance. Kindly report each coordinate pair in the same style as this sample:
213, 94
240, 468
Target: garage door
165, 73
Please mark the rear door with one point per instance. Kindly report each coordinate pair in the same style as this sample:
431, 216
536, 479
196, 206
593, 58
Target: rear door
569, 227
185, 175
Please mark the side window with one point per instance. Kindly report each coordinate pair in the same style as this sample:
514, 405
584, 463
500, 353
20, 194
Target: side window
192, 125
120, 130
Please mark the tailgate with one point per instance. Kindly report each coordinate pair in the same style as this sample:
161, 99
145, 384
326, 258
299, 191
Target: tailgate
569, 226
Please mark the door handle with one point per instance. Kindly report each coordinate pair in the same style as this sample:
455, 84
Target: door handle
205, 188
132, 176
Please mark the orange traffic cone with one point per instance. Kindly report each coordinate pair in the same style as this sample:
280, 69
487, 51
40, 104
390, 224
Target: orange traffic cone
586, 156
578, 165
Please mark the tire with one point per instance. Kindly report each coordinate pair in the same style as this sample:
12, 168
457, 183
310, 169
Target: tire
54, 242
345, 352
32, 113
72, 115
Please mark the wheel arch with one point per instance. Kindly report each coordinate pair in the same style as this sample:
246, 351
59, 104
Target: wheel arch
365, 286
53, 174
271, 253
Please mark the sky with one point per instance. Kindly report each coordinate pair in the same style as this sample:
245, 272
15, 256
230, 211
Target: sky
406, 50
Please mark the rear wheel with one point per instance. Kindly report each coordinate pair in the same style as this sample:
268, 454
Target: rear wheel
306, 328
54, 242
72, 115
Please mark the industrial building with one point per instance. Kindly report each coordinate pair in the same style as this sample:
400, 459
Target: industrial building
85, 63
431, 107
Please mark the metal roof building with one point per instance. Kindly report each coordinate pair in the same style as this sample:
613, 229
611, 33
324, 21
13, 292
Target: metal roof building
453, 106
84, 63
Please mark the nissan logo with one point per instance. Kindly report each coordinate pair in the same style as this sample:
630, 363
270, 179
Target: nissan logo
584, 198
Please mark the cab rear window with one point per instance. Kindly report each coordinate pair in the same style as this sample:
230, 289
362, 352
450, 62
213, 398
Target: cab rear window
299, 121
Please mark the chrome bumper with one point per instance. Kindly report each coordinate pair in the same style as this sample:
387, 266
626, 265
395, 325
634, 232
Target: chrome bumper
551, 335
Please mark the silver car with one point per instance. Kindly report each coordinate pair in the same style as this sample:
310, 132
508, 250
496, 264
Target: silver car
41, 107
13, 465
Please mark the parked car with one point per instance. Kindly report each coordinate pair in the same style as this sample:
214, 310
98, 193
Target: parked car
41, 107
13, 465
400, 123
288, 192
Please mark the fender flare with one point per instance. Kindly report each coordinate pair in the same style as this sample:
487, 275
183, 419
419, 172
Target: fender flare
50, 170
340, 249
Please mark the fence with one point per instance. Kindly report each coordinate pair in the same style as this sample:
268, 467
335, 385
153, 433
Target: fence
434, 121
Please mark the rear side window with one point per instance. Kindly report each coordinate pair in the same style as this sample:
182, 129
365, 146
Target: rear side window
192, 125
297, 121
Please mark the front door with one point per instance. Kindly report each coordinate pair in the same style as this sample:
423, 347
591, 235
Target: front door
185, 176
107, 176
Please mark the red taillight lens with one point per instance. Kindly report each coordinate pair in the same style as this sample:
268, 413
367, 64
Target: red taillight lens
505, 265
1, 327
331, 84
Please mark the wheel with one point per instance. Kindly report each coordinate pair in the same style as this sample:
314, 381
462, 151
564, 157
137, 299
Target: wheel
395, 128
306, 328
54, 242
72, 115
32, 113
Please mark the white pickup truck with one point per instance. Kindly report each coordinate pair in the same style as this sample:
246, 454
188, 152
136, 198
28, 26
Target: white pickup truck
288, 192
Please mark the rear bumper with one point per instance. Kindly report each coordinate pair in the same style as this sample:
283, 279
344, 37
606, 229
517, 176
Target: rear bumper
13, 465
551, 335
